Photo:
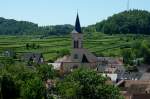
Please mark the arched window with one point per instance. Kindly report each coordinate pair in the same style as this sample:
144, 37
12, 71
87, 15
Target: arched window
76, 44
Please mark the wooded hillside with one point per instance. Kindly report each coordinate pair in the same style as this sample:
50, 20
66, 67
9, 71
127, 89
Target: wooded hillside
13, 27
127, 22
133, 21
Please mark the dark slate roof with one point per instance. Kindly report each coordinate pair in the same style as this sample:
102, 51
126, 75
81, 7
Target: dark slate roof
145, 76
77, 25
129, 76
35, 56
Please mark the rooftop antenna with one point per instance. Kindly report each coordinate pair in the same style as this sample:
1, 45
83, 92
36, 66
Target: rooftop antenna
128, 4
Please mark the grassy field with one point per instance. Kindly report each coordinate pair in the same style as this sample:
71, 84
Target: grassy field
98, 43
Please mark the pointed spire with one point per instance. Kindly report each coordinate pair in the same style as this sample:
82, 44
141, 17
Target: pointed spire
77, 25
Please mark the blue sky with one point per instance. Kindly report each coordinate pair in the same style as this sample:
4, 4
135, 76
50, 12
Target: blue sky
52, 12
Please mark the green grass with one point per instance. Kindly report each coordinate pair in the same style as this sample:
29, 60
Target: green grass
98, 43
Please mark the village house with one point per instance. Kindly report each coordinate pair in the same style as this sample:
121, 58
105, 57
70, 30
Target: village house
9, 53
33, 58
135, 89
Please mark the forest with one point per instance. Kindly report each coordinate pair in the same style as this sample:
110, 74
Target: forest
126, 22
13, 27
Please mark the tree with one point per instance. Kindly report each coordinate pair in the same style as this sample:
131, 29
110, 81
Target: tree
9, 90
45, 72
33, 89
63, 52
145, 52
128, 56
33, 46
17, 81
27, 46
86, 84
136, 47
147, 56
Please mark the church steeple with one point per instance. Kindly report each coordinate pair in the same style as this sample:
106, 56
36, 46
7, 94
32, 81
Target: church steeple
77, 25
77, 36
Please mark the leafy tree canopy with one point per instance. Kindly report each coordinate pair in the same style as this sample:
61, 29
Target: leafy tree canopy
86, 84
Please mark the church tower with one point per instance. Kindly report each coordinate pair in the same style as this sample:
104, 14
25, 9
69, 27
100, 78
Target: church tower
80, 54
77, 35
77, 42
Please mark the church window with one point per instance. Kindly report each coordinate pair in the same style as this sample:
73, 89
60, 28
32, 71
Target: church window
76, 44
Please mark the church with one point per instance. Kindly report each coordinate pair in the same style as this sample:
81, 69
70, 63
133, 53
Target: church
80, 56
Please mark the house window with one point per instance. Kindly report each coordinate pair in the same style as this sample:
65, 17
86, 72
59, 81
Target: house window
75, 56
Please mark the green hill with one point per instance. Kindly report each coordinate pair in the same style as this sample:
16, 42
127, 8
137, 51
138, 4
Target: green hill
133, 21
13, 27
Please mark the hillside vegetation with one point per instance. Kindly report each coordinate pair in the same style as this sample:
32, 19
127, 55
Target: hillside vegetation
133, 22
53, 47
13, 27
